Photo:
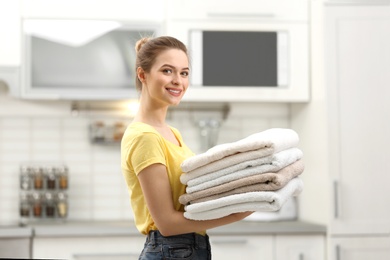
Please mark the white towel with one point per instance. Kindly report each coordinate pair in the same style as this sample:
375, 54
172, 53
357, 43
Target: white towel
287, 212
251, 201
281, 160
272, 140
242, 160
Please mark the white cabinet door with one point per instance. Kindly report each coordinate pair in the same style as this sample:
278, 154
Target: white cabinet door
358, 65
262, 9
241, 247
360, 248
308, 247
9, 33
83, 248
95, 9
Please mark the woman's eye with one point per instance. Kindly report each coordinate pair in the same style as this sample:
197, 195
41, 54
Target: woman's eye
167, 71
185, 73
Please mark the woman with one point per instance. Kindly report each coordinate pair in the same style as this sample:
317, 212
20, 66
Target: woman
152, 152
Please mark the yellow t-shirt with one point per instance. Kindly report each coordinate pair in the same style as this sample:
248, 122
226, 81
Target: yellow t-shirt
141, 147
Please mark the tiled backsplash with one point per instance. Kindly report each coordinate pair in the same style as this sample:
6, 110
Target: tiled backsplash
97, 190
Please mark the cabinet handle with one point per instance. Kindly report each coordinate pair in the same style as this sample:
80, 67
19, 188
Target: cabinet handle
238, 15
336, 199
230, 242
337, 252
103, 256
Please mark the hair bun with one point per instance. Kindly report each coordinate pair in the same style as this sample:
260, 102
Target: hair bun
141, 43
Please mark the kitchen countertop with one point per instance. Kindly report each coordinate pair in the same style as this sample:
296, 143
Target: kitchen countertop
15, 232
122, 228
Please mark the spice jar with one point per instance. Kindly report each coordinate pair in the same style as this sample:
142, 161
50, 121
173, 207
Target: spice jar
62, 205
119, 130
38, 178
63, 177
37, 204
49, 205
25, 207
98, 130
25, 178
50, 178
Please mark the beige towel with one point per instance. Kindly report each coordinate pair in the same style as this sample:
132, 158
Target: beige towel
272, 140
277, 161
238, 160
282, 159
261, 182
250, 201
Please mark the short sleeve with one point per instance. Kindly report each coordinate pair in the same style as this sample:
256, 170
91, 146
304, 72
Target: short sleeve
147, 149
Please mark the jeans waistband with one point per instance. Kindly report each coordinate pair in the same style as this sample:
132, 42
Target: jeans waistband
155, 237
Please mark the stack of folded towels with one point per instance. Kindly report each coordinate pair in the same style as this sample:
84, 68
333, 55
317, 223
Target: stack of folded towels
257, 173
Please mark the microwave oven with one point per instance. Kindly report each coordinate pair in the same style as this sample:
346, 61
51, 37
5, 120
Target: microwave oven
247, 61
239, 58
68, 59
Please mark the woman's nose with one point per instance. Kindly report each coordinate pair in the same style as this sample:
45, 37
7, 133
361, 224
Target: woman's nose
176, 79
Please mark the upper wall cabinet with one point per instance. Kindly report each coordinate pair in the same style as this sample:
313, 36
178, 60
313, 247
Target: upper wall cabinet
95, 9
264, 9
251, 50
77, 59
9, 34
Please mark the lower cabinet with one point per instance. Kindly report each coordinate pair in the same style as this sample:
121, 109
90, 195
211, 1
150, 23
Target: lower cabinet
304, 247
88, 248
361, 248
272, 247
241, 247
15, 248
223, 247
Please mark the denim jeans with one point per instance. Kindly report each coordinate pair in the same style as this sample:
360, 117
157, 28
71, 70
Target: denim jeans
190, 246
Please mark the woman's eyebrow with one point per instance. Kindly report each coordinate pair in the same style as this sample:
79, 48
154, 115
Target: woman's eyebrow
173, 67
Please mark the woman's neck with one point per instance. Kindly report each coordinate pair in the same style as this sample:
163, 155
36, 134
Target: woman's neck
154, 116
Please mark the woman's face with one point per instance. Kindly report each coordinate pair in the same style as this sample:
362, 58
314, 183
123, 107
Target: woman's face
167, 80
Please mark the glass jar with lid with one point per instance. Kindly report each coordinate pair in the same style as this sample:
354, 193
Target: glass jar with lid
25, 207
50, 208
37, 175
37, 204
63, 178
25, 178
50, 178
62, 205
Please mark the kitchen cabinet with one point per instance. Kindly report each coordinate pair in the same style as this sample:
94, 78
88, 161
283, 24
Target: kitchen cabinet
263, 9
357, 64
242, 247
15, 242
9, 34
361, 248
300, 247
287, 17
279, 240
15, 247
95, 9
276, 247
109, 247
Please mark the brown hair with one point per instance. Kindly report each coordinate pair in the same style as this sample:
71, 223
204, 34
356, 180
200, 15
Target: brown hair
147, 49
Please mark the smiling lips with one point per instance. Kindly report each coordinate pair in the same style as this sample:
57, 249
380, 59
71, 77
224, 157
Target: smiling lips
174, 92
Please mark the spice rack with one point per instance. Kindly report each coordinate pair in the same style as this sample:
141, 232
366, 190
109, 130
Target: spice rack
43, 193
101, 132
